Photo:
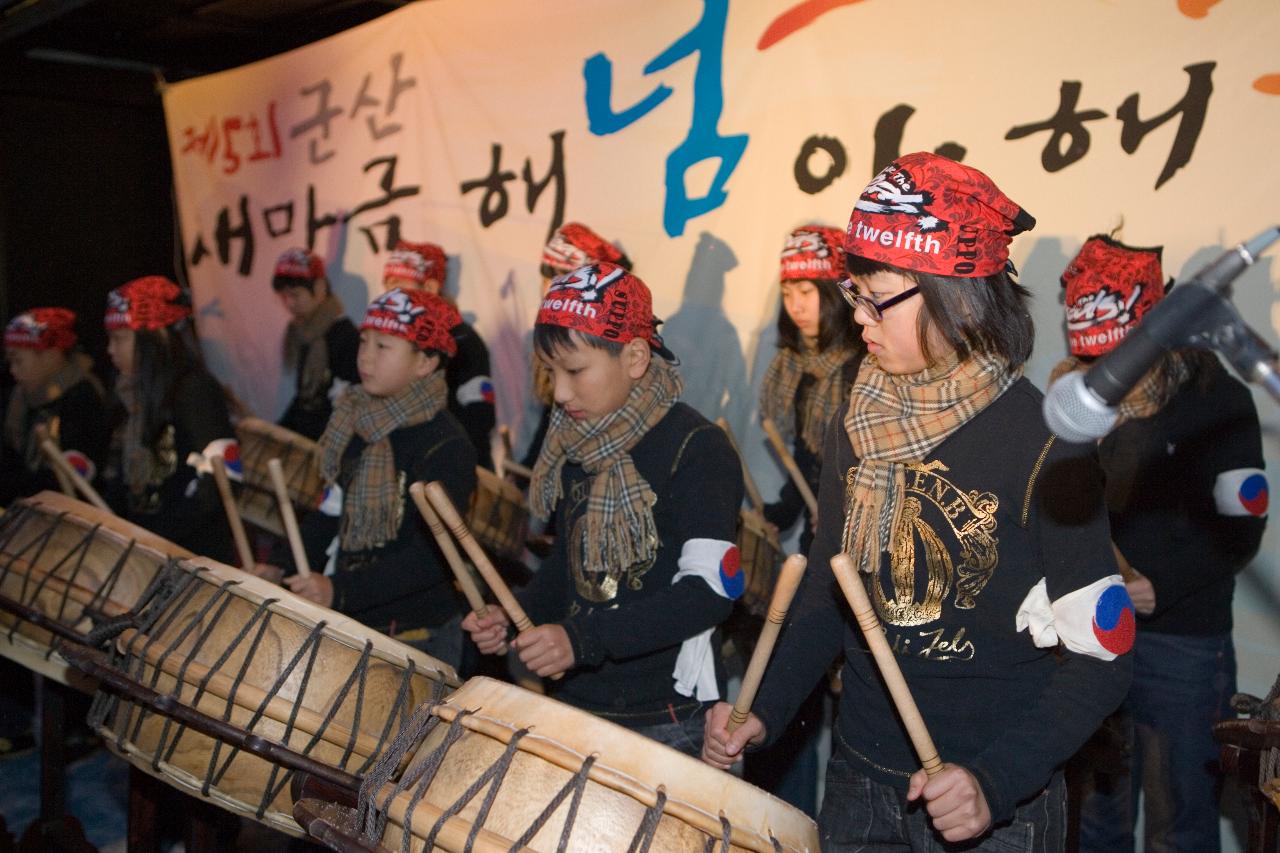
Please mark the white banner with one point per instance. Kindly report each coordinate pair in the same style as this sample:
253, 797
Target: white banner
697, 134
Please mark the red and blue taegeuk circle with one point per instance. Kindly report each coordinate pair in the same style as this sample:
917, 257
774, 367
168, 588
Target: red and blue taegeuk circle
732, 578
1254, 496
1113, 620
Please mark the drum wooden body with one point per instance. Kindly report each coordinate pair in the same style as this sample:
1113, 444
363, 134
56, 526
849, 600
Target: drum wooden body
498, 517
761, 558
633, 787
75, 564
246, 651
261, 441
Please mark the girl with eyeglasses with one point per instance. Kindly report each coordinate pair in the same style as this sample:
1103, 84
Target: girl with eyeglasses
982, 540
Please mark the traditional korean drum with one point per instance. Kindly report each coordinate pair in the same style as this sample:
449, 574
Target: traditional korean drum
498, 517
761, 558
75, 565
248, 652
500, 768
260, 441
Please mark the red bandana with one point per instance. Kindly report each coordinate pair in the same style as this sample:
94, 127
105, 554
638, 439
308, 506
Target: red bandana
423, 319
146, 304
575, 245
42, 328
300, 263
435, 262
813, 253
405, 265
1109, 287
603, 300
928, 214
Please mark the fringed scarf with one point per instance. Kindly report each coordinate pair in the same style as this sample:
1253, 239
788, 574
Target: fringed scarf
309, 334
893, 420
371, 508
21, 404
619, 529
1152, 392
778, 394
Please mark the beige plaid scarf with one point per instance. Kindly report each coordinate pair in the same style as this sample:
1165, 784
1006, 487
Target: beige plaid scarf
21, 403
778, 394
310, 333
893, 420
1152, 392
619, 530
371, 506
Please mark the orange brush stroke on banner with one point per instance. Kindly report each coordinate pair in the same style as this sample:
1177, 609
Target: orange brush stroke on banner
1196, 8
1268, 84
798, 17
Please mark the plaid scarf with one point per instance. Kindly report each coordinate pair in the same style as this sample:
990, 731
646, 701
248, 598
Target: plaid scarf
897, 419
778, 394
136, 458
21, 404
619, 530
309, 333
372, 509
1152, 392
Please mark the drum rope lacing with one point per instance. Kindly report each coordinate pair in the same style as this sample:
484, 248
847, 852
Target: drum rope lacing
156, 617
372, 816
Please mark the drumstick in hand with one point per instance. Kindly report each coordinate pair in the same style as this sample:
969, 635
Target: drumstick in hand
753, 491
469, 589
452, 520
290, 520
780, 447
219, 467
63, 470
856, 594
788, 579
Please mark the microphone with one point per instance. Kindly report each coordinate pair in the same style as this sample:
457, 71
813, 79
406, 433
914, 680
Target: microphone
1081, 407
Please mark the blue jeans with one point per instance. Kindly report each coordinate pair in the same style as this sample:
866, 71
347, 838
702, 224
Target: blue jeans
1181, 687
860, 815
684, 732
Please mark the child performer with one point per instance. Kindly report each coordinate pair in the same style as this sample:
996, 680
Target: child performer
319, 343
386, 433
982, 540
55, 390
819, 351
573, 245
424, 266
172, 408
644, 496
1187, 498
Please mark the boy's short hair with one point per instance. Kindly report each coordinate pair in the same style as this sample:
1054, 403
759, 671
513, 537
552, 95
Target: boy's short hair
297, 268
548, 338
602, 301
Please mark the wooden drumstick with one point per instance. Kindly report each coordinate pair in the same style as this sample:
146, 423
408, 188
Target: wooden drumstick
1127, 572
449, 515
510, 466
753, 492
219, 468
290, 520
504, 435
856, 594
65, 472
451, 555
788, 579
780, 447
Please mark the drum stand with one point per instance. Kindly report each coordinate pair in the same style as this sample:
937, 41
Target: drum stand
1244, 743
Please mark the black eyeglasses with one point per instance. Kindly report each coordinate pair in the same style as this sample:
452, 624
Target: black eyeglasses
874, 310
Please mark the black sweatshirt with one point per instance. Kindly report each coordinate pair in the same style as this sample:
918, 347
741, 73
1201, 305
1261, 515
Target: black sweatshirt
178, 504
405, 583
310, 416
1161, 473
76, 420
994, 509
471, 390
625, 647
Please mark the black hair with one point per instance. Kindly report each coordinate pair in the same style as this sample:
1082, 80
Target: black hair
444, 357
986, 314
836, 327
280, 282
162, 358
547, 338
548, 271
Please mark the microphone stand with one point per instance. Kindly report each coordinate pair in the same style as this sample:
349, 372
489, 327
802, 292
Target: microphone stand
1250, 355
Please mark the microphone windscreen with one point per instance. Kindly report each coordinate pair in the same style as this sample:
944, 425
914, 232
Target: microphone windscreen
1074, 413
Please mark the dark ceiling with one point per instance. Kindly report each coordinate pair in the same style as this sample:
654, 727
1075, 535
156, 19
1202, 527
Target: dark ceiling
46, 45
